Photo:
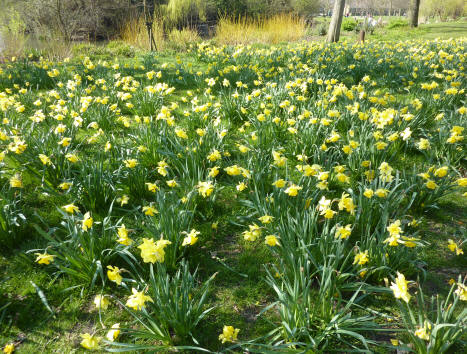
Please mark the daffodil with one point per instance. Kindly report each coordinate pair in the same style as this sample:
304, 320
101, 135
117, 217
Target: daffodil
266, 219
381, 193
441, 172
123, 200
150, 210
190, 238
271, 240
343, 232
346, 203
431, 184
72, 157
214, 156
113, 333
229, 334
280, 183
453, 247
152, 187
253, 233
233, 170
461, 291
400, 288
70, 208
423, 332
45, 159
123, 238
172, 183
64, 185
205, 188
213, 171
16, 181
87, 222
113, 273
9, 348
101, 302
151, 251
241, 186
65, 142
368, 193
137, 300
89, 341
361, 258
293, 190
130, 163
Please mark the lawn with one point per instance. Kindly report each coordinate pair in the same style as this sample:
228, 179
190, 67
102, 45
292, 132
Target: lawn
428, 31
270, 170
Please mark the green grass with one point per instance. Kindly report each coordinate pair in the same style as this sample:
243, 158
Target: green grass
442, 30
238, 293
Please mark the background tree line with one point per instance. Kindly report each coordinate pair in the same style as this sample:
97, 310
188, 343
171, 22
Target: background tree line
103, 19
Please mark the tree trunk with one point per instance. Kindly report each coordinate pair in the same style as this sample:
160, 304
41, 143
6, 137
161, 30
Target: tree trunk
414, 13
62, 23
336, 21
148, 6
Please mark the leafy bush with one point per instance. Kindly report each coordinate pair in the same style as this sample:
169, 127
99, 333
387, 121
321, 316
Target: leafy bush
349, 24
323, 30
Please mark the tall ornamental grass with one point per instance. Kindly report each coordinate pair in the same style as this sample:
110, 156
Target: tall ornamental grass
273, 30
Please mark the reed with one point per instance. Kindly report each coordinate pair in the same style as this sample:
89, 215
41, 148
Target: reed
181, 39
273, 30
134, 32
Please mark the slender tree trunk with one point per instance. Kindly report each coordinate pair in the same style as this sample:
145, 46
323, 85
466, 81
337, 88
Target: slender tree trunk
148, 6
60, 19
336, 21
414, 13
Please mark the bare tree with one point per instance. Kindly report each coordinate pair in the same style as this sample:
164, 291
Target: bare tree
414, 13
149, 18
336, 21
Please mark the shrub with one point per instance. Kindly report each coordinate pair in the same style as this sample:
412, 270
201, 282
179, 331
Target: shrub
323, 30
349, 24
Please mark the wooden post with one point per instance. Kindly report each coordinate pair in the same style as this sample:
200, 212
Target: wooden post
362, 36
